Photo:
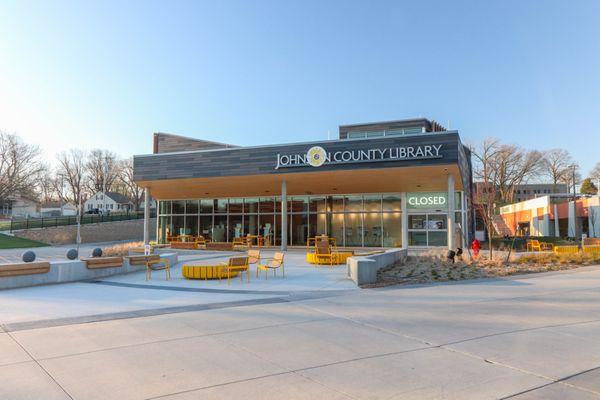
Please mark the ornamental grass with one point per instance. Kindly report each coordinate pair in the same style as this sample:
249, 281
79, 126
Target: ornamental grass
432, 266
121, 249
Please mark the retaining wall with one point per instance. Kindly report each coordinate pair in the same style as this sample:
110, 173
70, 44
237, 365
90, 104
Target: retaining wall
91, 233
363, 270
72, 271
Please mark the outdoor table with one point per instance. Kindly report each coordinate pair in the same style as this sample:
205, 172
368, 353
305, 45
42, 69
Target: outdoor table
260, 241
185, 238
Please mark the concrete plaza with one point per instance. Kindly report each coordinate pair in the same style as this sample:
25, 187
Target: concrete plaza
311, 336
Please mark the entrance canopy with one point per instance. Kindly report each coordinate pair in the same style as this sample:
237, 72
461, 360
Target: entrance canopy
417, 163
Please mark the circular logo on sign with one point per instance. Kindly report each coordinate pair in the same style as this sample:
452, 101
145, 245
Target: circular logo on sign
316, 156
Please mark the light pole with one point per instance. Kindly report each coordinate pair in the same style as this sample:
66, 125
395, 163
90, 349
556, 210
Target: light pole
105, 169
62, 189
79, 212
573, 168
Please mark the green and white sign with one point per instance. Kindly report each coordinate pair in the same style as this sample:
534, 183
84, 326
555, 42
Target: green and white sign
435, 200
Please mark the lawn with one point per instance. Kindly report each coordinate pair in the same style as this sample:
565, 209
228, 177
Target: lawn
13, 242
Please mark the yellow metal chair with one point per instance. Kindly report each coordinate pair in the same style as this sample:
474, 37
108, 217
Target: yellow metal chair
157, 265
240, 241
323, 253
237, 264
534, 245
274, 265
200, 240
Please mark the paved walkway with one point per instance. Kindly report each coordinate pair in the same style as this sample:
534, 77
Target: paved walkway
532, 337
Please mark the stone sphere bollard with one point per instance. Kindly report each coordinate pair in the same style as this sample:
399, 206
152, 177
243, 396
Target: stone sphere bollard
72, 254
28, 256
97, 252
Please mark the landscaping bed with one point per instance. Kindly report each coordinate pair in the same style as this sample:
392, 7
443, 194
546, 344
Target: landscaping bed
428, 268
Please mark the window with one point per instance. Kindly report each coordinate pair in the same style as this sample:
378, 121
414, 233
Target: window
178, 207
356, 135
392, 203
373, 134
413, 131
394, 132
371, 220
428, 229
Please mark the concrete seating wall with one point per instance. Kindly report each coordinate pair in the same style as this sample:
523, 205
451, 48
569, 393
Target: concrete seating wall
72, 271
363, 270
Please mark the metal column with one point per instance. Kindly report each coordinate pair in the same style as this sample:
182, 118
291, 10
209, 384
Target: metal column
556, 222
451, 216
146, 216
284, 222
404, 219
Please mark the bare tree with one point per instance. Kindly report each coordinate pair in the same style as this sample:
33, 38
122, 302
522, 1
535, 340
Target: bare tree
511, 166
46, 185
71, 169
102, 169
19, 166
133, 191
485, 193
556, 165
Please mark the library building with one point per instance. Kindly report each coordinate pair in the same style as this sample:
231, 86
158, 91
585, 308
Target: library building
403, 183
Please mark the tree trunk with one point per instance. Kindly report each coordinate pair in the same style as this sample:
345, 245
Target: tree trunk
490, 227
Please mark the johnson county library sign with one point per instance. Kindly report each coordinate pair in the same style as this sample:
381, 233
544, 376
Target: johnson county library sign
317, 156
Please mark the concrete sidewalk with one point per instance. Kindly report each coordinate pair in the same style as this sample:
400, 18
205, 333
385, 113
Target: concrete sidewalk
532, 337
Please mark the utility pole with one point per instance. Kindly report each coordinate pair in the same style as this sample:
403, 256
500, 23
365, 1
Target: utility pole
574, 189
79, 212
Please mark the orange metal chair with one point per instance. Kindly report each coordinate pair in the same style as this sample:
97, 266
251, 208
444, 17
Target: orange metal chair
237, 264
274, 265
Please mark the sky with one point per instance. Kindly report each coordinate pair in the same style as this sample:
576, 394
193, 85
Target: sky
79, 74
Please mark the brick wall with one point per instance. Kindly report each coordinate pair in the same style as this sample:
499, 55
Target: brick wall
91, 233
167, 143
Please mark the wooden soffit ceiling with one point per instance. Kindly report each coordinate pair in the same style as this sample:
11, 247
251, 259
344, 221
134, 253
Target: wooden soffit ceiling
386, 180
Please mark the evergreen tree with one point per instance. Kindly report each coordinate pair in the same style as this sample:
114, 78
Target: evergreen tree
588, 187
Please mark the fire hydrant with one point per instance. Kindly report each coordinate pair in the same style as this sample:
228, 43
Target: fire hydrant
475, 246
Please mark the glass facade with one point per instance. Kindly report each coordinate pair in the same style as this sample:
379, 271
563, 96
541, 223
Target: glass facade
388, 132
369, 220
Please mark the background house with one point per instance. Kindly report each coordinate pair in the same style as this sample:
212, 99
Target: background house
108, 202
57, 209
19, 206
152, 203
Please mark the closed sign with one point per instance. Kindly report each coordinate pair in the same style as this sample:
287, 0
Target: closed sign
436, 200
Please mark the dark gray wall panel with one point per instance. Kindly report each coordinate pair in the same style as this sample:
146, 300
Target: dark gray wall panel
262, 160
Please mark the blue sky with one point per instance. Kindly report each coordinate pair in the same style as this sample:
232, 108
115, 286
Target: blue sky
109, 74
